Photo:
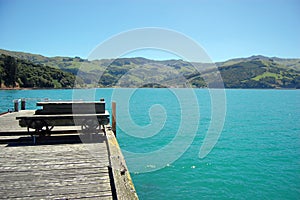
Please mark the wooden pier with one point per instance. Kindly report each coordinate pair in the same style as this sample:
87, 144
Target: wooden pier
61, 166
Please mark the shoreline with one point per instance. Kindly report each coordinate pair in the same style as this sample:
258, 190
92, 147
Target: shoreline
17, 89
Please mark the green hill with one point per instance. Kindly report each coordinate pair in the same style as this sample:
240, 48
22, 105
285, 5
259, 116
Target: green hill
260, 74
17, 73
252, 72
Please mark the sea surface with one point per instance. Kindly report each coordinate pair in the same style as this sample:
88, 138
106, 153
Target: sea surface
256, 154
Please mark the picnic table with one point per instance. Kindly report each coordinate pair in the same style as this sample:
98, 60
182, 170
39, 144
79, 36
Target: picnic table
89, 115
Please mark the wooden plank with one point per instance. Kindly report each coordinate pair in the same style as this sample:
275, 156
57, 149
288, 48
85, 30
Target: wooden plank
67, 116
63, 119
62, 195
71, 107
55, 172
68, 102
8, 122
122, 180
9, 126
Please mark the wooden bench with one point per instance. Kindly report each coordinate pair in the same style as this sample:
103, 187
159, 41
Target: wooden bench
67, 107
89, 115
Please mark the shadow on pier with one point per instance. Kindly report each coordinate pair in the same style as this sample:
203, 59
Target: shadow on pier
54, 140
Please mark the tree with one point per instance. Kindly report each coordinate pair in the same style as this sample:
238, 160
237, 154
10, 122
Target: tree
10, 71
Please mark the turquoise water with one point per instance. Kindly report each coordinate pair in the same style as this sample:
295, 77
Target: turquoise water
256, 157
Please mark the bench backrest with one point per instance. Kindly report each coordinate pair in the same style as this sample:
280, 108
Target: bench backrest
69, 107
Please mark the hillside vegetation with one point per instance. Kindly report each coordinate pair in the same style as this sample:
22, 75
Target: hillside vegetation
17, 73
56, 72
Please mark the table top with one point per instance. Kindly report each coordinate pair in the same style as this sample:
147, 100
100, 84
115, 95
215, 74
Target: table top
68, 102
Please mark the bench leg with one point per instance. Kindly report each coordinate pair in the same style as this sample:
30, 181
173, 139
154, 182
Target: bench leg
34, 139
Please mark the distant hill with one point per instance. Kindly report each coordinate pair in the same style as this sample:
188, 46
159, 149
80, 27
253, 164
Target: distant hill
252, 72
290, 63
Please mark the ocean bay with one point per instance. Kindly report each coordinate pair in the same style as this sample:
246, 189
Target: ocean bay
256, 156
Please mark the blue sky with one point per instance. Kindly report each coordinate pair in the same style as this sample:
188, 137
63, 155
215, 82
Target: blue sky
225, 29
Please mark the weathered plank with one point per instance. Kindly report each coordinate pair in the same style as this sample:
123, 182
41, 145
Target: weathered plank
122, 179
69, 171
67, 116
64, 107
10, 126
8, 122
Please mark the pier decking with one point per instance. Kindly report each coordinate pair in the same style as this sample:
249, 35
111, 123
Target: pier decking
61, 166
9, 126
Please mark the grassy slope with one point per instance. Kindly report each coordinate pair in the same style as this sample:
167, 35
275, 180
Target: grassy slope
252, 72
